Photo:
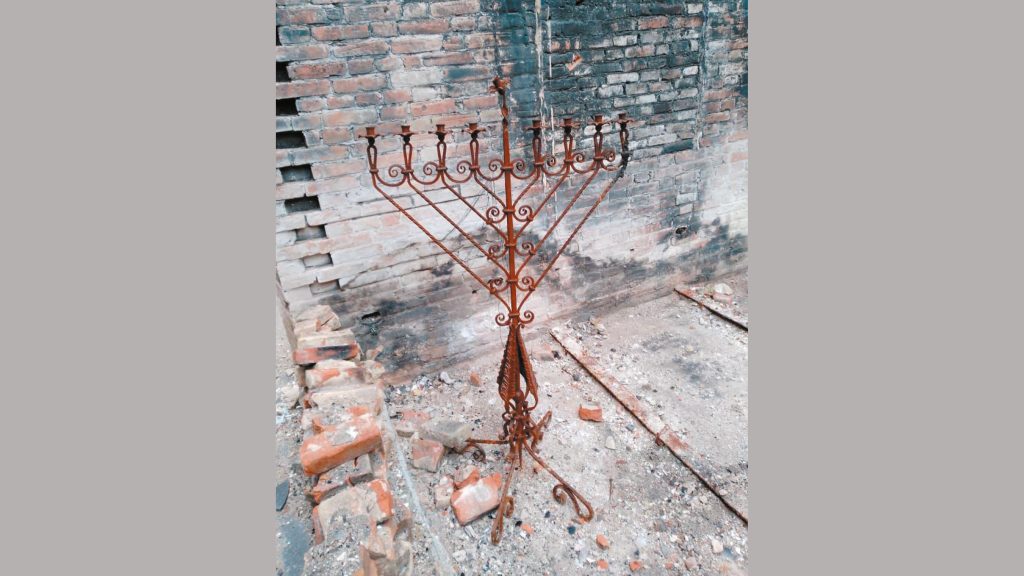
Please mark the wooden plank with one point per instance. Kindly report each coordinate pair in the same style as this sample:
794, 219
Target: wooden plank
663, 433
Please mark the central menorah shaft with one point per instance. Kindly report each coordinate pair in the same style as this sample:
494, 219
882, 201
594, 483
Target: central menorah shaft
517, 385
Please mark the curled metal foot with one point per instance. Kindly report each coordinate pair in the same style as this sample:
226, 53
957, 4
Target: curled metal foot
563, 490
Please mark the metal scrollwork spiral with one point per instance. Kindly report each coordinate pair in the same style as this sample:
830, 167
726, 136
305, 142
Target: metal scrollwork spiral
519, 169
526, 249
494, 215
524, 213
497, 250
526, 283
496, 285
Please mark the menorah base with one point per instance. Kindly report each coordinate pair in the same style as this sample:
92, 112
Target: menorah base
521, 433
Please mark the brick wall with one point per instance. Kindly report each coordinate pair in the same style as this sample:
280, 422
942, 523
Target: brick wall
679, 214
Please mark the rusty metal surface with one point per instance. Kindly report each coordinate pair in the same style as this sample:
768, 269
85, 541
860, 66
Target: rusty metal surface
663, 433
511, 283
714, 309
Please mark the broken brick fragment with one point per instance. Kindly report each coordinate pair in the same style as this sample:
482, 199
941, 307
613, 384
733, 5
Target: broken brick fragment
347, 474
452, 433
410, 422
466, 475
602, 541
321, 313
427, 454
324, 371
347, 396
443, 493
326, 339
306, 356
591, 412
602, 564
477, 499
527, 528
384, 501
636, 566
474, 379
357, 435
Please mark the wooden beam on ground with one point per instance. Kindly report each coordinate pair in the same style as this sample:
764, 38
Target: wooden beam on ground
714, 309
663, 434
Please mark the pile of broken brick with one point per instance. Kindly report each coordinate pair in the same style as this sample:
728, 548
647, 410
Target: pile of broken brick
469, 495
344, 449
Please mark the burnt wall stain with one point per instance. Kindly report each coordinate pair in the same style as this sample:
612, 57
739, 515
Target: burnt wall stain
602, 40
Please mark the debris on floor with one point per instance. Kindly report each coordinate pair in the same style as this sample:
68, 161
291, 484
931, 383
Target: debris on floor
411, 503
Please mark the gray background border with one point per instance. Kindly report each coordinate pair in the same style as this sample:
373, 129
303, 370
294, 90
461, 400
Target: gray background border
138, 428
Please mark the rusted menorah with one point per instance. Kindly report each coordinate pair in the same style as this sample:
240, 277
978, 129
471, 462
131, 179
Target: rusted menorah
520, 431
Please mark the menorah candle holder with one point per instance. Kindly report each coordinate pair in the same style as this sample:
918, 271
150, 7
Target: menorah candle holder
509, 217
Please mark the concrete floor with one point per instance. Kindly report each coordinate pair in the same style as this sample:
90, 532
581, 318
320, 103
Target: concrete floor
686, 365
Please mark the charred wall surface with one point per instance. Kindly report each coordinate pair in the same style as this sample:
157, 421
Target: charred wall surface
678, 214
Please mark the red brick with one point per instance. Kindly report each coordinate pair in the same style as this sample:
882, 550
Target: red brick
362, 66
481, 102
397, 96
394, 112
719, 94
446, 106
466, 475
341, 32
358, 435
340, 101
316, 70
423, 27
385, 29
447, 59
357, 117
313, 355
360, 12
389, 63
652, 22
361, 48
303, 88
287, 16
336, 135
359, 83
717, 117
410, 422
383, 493
477, 499
326, 371
426, 454
309, 104
458, 8
738, 157
290, 53
413, 44
348, 474
332, 169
